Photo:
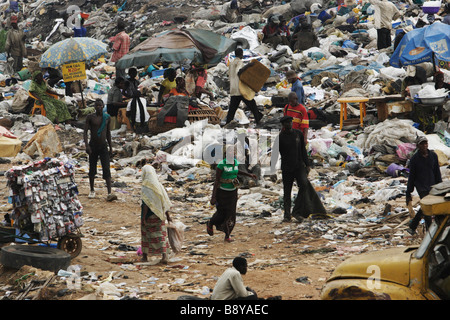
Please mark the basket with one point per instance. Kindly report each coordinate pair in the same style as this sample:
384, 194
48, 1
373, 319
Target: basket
202, 113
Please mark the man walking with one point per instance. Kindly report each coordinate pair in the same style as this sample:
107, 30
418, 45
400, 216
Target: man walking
15, 44
294, 161
295, 167
97, 147
236, 96
385, 13
424, 172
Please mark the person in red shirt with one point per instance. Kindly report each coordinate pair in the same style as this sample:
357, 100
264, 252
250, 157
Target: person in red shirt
299, 114
120, 43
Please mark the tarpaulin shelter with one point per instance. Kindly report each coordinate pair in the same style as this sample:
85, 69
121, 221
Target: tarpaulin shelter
202, 46
423, 45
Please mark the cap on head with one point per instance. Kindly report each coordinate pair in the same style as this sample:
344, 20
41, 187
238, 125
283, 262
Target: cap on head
421, 139
275, 19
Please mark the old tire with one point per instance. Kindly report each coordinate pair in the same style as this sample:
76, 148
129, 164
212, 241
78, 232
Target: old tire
70, 244
45, 258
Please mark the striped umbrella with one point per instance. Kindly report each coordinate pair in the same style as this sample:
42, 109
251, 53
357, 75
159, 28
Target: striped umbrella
82, 49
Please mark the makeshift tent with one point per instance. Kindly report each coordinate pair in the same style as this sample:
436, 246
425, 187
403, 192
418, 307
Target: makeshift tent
202, 46
423, 45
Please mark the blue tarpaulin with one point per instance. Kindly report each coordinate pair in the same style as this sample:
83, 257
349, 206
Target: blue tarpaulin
423, 45
339, 70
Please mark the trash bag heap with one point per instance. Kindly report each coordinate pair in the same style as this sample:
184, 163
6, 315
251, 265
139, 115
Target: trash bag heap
342, 62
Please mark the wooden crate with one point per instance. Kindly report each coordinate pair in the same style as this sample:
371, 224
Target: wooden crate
255, 76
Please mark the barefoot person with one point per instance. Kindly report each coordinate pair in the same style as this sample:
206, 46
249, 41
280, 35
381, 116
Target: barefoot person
97, 147
154, 211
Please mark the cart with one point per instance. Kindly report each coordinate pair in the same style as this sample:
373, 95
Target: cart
70, 243
46, 208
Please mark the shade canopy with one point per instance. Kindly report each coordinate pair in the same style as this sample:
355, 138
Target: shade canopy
201, 46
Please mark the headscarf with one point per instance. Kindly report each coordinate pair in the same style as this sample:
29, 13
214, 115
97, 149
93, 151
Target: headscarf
154, 194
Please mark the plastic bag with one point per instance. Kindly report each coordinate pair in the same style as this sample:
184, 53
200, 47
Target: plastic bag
175, 230
405, 150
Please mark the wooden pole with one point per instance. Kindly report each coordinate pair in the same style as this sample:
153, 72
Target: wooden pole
81, 91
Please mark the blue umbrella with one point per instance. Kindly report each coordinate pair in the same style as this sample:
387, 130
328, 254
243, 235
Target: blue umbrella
70, 50
423, 45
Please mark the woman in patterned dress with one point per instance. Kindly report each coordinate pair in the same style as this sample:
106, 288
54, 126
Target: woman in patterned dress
56, 110
154, 211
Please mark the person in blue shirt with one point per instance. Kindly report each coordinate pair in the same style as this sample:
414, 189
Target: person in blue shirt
297, 86
81, 31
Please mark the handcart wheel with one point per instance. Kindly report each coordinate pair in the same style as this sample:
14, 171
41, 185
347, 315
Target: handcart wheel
70, 244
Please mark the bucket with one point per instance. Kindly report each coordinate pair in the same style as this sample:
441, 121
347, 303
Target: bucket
324, 16
24, 74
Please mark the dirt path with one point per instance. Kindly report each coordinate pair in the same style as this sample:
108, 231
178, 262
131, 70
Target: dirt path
290, 260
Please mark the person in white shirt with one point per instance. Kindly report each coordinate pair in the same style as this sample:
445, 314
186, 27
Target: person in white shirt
230, 285
235, 93
135, 108
385, 13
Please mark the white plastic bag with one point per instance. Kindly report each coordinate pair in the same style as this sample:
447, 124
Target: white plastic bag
176, 235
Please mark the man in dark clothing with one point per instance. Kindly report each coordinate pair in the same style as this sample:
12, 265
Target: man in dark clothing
294, 161
424, 172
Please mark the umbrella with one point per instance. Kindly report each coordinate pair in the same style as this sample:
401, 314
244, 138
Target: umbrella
79, 49
423, 45
197, 45
82, 49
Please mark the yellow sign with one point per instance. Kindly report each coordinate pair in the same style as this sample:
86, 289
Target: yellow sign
74, 71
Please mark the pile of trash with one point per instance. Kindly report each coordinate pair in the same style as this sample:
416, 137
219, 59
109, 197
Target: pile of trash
345, 62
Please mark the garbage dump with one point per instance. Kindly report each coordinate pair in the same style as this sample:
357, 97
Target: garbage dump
159, 95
